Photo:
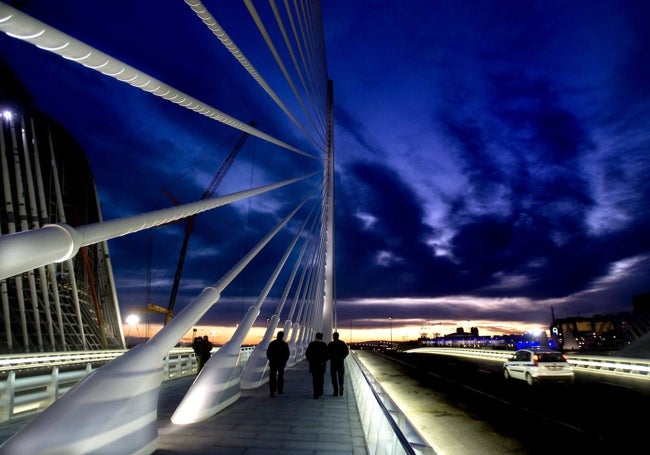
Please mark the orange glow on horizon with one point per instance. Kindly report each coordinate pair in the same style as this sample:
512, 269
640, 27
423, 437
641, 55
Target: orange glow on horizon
219, 335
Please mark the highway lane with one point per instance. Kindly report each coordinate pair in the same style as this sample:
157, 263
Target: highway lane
596, 415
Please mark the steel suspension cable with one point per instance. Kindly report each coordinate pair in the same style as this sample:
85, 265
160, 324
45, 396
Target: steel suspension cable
301, 52
26, 250
21, 26
297, 265
308, 54
301, 288
269, 42
317, 48
208, 19
287, 287
297, 68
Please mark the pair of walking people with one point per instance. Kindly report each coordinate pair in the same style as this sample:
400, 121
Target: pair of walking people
317, 354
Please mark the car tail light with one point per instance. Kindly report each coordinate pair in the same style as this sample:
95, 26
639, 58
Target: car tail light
535, 359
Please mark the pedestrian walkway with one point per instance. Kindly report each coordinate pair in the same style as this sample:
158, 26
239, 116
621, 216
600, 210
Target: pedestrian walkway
257, 424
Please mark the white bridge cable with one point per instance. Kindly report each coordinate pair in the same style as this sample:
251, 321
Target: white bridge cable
298, 41
218, 383
300, 264
269, 42
298, 301
296, 66
316, 39
309, 92
208, 19
26, 250
281, 263
292, 277
24, 27
254, 373
308, 292
281, 303
307, 54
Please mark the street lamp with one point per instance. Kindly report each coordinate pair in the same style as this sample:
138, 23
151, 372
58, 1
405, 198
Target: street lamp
132, 320
390, 321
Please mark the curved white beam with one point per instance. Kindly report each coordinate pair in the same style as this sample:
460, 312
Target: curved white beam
255, 372
27, 250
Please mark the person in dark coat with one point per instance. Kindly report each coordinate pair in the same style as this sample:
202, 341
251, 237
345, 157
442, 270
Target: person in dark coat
278, 355
316, 354
196, 346
337, 351
206, 351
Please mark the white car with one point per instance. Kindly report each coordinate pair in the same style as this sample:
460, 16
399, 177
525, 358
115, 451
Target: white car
539, 364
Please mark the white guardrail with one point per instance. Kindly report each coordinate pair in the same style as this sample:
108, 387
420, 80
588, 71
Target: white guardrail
387, 430
24, 391
613, 366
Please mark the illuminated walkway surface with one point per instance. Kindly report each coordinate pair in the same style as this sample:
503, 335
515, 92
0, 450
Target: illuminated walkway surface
259, 424
293, 423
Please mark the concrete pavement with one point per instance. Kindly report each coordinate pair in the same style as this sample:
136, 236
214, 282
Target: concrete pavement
257, 424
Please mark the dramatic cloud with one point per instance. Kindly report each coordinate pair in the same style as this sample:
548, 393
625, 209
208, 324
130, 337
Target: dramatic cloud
492, 158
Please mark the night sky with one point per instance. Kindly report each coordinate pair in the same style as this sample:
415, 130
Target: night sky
492, 157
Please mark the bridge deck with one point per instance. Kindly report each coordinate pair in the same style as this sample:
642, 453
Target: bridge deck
293, 423
257, 424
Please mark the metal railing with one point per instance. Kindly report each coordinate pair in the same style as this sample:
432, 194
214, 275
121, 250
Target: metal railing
386, 428
26, 391
614, 366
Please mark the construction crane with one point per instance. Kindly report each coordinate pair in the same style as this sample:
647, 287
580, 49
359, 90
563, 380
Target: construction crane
150, 308
191, 220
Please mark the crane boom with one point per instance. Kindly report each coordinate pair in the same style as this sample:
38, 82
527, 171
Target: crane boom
189, 224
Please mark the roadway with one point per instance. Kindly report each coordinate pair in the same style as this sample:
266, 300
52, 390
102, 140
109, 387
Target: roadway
597, 414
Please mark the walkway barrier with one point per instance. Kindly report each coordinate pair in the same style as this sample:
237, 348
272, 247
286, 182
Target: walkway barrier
25, 392
20, 397
387, 430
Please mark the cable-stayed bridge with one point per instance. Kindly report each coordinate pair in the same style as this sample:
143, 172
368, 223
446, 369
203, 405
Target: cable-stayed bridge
114, 409
123, 420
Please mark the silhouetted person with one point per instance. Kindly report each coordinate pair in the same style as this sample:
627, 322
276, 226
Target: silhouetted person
316, 354
196, 346
278, 355
337, 351
206, 351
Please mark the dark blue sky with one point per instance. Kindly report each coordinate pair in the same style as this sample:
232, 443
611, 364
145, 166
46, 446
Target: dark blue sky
492, 158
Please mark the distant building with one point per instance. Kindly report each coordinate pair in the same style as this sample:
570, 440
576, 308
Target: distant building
462, 339
601, 331
46, 179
